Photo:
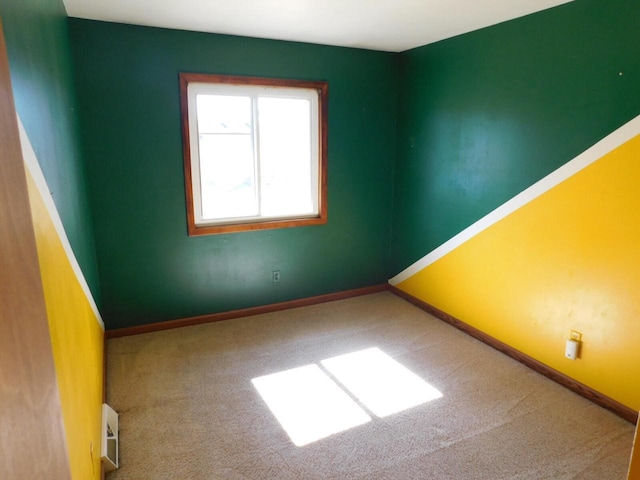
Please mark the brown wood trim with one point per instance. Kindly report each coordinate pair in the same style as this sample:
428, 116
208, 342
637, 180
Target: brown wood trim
321, 87
255, 225
32, 442
186, 151
245, 312
558, 377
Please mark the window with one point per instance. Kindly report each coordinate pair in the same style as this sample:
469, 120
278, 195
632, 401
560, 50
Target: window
254, 152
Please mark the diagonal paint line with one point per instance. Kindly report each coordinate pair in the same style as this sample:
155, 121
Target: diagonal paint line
33, 166
612, 141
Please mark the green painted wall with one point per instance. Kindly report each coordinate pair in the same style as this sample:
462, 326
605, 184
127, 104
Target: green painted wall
37, 38
150, 270
480, 117
484, 115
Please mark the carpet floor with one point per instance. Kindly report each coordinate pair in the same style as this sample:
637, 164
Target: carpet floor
189, 408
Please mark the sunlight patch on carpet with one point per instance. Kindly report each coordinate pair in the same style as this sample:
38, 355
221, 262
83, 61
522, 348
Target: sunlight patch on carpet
383, 385
308, 404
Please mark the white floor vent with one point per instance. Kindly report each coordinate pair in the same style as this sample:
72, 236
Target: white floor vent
109, 448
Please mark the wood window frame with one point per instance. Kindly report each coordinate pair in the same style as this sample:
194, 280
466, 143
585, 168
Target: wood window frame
321, 87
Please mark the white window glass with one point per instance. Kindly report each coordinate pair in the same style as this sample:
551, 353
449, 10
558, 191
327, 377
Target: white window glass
227, 176
254, 153
285, 156
224, 114
225, 149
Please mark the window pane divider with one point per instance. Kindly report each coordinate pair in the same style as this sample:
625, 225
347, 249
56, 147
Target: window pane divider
255, 131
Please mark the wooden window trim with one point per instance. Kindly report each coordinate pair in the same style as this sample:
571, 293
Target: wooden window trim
321, 87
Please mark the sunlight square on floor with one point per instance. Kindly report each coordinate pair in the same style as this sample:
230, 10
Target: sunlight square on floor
379, 382
311, 405
308, 404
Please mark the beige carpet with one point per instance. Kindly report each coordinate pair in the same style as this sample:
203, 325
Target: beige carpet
189, 410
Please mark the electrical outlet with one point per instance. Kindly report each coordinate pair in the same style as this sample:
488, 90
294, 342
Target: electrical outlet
575, 335
275, 276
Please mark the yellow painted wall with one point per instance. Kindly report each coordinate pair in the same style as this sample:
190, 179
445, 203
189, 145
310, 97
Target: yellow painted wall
570, 259
77, 338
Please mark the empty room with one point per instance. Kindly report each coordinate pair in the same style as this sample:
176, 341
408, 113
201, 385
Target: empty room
319, 240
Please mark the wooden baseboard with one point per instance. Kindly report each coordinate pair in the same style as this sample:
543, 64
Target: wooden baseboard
558, 377
245, 312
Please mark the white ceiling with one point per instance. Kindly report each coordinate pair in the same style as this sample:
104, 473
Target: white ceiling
388, 25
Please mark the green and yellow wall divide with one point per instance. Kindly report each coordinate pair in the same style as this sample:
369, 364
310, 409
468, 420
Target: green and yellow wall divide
37, 40
75, 326
562, 255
